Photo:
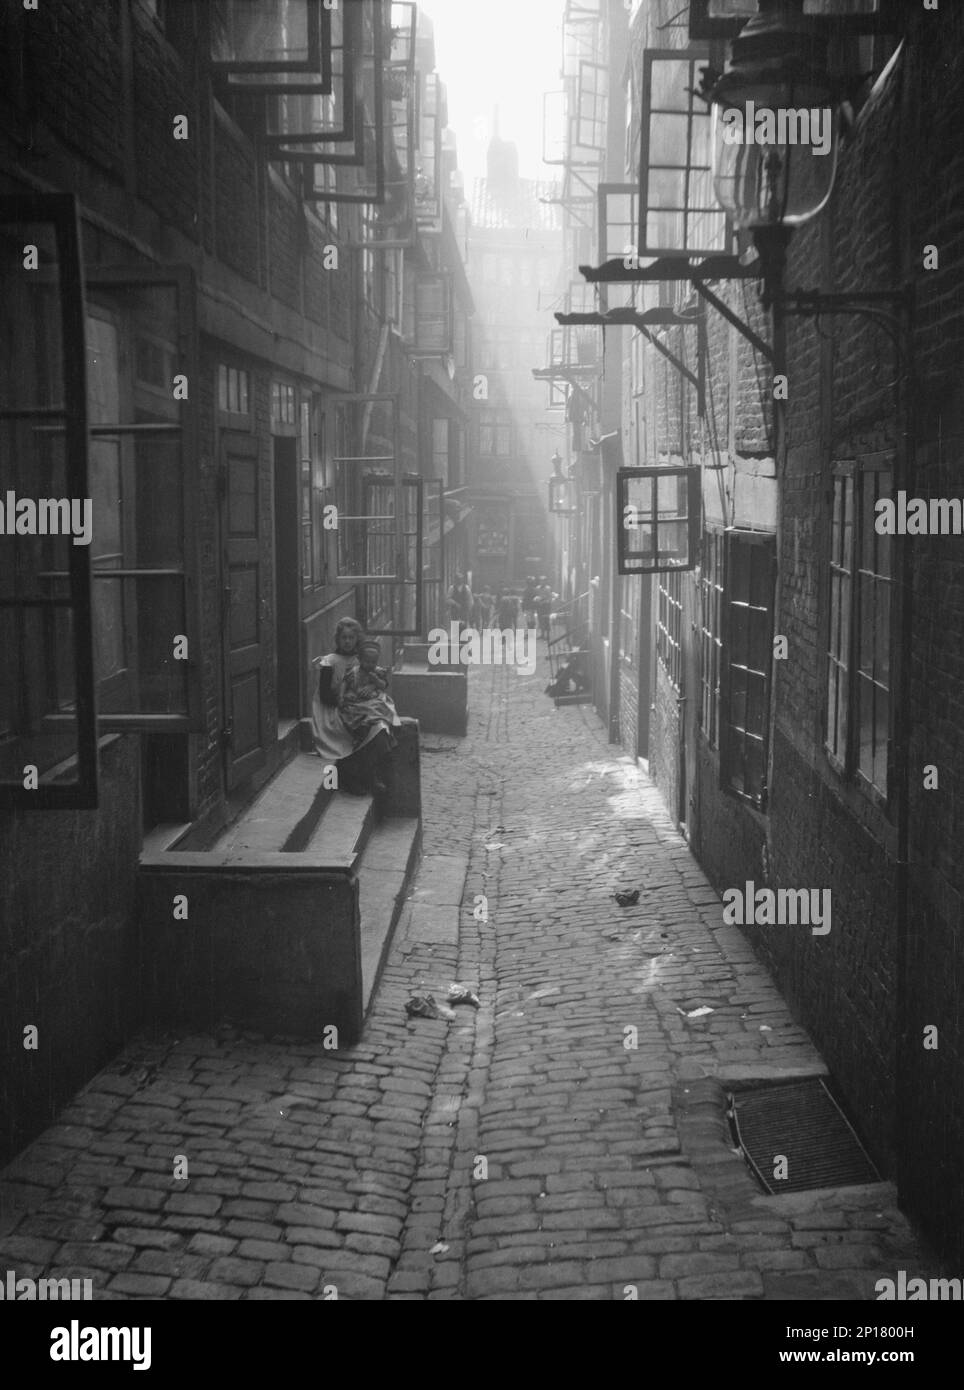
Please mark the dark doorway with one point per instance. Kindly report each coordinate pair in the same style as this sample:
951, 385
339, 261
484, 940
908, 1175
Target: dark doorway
287, 550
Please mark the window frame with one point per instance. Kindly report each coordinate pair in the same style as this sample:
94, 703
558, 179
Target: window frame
179, 278
61, 211
845, 763
696, 55
317, 64
627, 561
755, 540
669, 630
710, 587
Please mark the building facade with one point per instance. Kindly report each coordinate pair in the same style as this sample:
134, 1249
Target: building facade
801, 677
514, 253
233, 302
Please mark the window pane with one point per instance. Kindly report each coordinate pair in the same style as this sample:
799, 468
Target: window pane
738, 698
667, 188
670, 80
756, 703
37, 697
148, 680
760, 651
761, 576
739, 634
755, 768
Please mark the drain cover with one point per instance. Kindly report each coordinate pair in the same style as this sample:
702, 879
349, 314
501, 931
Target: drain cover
802, 1123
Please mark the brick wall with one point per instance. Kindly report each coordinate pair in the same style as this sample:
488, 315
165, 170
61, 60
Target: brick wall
898, 191
71, 72
285, 229
164, 86
665, 734
235, 196
66, 896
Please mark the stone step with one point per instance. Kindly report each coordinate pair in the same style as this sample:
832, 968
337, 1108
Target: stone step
296, 793
341, 833
384, 873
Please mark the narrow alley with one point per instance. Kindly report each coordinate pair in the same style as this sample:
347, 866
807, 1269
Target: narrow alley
567, 1140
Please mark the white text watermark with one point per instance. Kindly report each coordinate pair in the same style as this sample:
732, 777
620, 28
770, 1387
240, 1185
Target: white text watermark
490, 647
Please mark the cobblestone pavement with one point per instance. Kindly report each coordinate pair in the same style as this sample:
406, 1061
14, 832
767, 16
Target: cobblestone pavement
526, 1150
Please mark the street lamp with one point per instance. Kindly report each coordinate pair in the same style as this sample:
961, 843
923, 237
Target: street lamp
561, 494
775, 129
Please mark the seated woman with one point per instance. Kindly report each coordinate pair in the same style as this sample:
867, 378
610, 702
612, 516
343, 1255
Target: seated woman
356, 758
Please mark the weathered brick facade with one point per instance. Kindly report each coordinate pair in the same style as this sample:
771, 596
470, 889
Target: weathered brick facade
891, 964
89, 97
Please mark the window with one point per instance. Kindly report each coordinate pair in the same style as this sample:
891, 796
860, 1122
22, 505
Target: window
592, 103
433, 315
629, 620
440, 448
495, 434
857, 736
669, 623
271, 46
283, 406
233, 390
657, 519
47, 683
747, 654
679, 211
711, 643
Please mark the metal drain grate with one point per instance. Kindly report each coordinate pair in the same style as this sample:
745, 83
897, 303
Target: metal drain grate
802, 1122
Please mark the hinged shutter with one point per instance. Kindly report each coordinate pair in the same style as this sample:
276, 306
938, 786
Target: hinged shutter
657, 519
679, 213
48, 727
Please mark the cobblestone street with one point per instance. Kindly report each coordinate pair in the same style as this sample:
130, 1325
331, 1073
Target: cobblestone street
523, 1151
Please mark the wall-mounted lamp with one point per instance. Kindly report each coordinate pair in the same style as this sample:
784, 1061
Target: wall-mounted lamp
776, 132
562, 501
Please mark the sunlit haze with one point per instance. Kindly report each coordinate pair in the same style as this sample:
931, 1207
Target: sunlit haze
503, 54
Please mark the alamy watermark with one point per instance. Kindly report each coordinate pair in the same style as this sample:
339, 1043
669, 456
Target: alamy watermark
467, 646
762, 125
915, 1290
768, 907
47, 516
76, 1343
25, 1290
918, 516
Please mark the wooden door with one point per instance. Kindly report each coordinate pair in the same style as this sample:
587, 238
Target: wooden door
243, 615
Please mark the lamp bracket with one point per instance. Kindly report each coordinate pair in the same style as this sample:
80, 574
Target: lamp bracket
868, 304
630, 318
731, 316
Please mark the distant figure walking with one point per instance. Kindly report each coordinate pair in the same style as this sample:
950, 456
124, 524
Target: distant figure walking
544, 600
508, 610
529, 601
460, 602
486, 603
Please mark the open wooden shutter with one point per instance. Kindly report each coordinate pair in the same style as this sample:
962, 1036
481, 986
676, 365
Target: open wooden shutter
48, 723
